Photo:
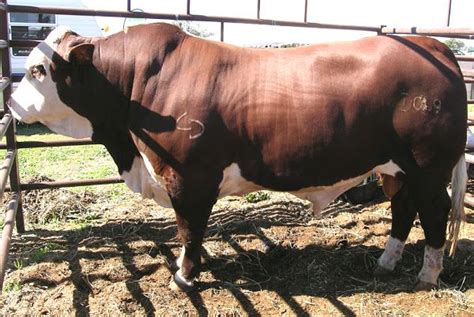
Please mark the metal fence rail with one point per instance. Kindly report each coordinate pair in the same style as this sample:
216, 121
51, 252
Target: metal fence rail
5, 170
4, 83
73, 183
7, 123
4, 123
10, 215
36, 144
189, 17
9, 167
464, 33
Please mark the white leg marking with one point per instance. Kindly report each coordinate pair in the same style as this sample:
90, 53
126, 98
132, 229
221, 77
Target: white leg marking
179, 260
179, 276
432, 265
392, 253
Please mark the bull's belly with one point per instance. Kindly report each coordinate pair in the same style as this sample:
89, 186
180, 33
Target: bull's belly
143, 180
233, 183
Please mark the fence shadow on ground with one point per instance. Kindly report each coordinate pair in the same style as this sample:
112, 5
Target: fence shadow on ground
317, 269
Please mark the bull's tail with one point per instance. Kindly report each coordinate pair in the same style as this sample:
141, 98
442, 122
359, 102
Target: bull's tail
456, 217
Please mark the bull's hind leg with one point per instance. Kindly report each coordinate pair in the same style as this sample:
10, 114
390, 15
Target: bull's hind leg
434, 210
403, 215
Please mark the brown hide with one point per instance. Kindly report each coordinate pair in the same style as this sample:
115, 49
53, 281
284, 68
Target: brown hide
290, 118
391, 186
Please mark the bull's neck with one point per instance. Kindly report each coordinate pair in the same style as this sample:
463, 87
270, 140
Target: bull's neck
116, 70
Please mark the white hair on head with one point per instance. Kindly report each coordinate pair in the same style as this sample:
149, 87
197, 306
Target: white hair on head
55, 36
37, 98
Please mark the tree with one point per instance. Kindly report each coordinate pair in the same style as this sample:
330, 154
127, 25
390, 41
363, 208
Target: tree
193, 28
455, 44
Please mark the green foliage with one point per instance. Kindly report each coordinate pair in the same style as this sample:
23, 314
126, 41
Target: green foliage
85, 222
39, 254
13, 286
455, 44
291, 45
18, 264
256, 197
193, 28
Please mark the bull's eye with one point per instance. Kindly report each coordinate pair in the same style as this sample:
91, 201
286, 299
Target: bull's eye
38, 71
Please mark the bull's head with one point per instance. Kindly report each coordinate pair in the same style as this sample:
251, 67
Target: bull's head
37, 99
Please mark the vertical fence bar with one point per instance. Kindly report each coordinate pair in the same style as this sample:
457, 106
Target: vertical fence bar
7, 235
449, 12
222, 31
14, 208
15, 177
129, 5
188, 7
305, 11
258, 9
10, 134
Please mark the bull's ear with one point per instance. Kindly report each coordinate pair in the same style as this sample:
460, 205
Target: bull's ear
81, 54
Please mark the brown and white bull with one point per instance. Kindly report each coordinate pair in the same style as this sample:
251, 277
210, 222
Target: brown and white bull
188, 121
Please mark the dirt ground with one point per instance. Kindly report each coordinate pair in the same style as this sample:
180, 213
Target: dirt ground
261, 259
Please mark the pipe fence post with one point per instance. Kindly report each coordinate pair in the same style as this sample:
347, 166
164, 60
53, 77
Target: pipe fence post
11, 133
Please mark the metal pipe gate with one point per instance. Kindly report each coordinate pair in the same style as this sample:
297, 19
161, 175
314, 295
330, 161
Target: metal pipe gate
9, 168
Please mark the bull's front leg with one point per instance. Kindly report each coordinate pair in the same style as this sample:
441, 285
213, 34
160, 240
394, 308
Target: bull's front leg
192, 200
191, 230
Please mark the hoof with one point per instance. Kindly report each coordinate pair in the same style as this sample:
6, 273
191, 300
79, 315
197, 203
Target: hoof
381, 272
177, 284
424, 286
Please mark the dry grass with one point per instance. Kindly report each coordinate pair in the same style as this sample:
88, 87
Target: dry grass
266, 258
59, 205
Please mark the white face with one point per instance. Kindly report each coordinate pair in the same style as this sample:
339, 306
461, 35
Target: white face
36, 98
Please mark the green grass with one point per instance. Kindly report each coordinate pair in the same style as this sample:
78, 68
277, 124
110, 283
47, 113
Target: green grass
39, 254
12, 287
73, 162
69, 162
18, 264
470, 107
65, 163
256, 197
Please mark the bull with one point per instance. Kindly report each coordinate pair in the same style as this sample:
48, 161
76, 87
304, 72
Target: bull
188, 120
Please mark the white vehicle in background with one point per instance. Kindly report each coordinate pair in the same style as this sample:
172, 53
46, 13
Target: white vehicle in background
36, 26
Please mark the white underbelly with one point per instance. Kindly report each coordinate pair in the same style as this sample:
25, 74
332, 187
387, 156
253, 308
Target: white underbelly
233, 183
142, 179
